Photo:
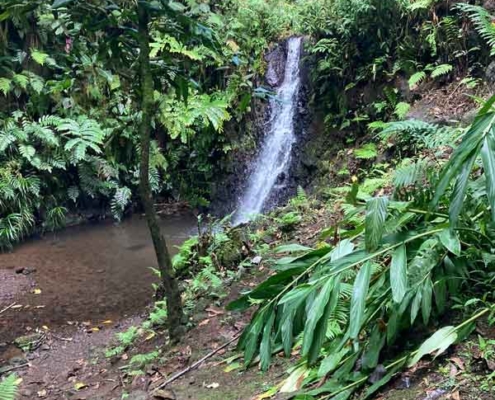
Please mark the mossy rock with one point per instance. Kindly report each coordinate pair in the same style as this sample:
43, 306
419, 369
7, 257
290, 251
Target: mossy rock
231, 252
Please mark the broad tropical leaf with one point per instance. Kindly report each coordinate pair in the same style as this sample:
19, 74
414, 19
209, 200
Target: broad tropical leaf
376, 214
398, 273
438, 343
358, 301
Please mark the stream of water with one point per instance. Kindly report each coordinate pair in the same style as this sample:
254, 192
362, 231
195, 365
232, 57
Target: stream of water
274, 158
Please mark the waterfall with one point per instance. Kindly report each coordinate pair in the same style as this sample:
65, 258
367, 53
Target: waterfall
273, 160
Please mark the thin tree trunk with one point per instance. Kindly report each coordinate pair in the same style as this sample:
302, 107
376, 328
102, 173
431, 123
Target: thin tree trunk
169, 282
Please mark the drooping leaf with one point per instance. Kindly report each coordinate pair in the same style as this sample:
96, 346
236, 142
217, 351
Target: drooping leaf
450, 241
376, 214
266, 342
438, 343
416, 304
459, 192
61, 3
315, 314
252, 337
426, 301
292, 248
488, 157
358, 301
472, 140
398, 273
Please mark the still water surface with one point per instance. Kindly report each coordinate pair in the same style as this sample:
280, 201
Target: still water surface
91, 273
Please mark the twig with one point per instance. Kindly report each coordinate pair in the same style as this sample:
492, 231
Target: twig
8, 307
197, 363
3, 371
61, 338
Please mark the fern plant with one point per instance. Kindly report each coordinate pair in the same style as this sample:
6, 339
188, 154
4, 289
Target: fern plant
483, 22
8, 387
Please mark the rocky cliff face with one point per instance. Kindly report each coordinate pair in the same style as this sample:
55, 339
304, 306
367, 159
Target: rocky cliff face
249, 133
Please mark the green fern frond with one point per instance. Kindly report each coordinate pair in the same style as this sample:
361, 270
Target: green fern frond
8, 387
410, 174
440, 70
416, 79
120, 201
482, 21
401, 110
367, 152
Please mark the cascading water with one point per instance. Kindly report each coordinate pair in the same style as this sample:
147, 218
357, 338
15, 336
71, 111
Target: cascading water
274, 158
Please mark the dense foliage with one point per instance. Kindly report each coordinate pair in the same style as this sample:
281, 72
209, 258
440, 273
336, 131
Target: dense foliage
70, 111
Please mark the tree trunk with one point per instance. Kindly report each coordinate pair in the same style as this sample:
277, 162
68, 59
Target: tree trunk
168, 280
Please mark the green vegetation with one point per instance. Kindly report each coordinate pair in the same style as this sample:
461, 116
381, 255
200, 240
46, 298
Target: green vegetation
112, 105
8, 387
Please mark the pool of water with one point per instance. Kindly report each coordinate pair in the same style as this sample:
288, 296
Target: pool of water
92, 272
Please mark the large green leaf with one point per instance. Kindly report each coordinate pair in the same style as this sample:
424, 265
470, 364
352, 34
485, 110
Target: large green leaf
438, 343
459, 192
358, 301
61, 3
268, 289
488, 157
292, 248
398, 273
266, 342
316, 312
376, 214
321, 327
451, 241
472, 139
252, 335
426, 301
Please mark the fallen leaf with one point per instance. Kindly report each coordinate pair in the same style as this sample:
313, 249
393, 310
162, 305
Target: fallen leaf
42, 393
457, 361
108, 322
16, 306
80, 385
164, 394
232, 367
39, 307
214, 311
125, 357
456, 396
36, 291
95, 329
213, 385
150, 336
204, 322
45, 327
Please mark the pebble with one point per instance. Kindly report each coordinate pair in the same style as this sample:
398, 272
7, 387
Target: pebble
256, 260
45, 347
27, 393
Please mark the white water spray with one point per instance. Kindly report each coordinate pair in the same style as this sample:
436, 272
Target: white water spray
275, 155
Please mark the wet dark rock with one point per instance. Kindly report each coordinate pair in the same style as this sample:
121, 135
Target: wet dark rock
25, 270
489, 5
276, 66
490, 74
15, 361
